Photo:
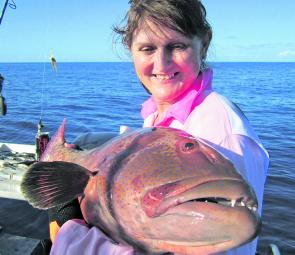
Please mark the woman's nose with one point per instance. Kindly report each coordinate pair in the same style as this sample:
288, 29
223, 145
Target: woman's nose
162, 60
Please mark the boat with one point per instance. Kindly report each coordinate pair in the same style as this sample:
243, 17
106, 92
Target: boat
15, 211
14, 160
20, 223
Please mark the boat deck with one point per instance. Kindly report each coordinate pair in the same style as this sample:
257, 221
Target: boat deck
14, 160
21, 225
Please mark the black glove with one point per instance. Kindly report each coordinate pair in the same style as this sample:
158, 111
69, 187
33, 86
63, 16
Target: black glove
57, 217
62, 213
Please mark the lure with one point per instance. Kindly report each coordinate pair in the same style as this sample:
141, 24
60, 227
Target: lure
53, 63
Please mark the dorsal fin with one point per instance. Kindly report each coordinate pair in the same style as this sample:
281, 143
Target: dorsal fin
48, 184
57, 140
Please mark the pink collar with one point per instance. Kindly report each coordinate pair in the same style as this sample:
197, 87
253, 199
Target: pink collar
183, 107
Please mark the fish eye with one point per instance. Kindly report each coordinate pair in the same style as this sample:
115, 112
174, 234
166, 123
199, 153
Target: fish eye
188, 146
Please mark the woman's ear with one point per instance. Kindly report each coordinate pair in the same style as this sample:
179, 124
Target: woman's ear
205, 44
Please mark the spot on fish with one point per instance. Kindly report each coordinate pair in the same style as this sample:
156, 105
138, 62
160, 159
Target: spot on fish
137, 183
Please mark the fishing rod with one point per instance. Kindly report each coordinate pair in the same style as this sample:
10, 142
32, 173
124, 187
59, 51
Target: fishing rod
12, 5
3, 106
41, 138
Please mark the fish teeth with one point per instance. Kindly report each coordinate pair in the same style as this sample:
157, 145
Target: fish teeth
233, 202
251, 207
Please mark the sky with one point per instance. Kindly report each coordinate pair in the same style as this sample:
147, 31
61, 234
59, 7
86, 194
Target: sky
81, 31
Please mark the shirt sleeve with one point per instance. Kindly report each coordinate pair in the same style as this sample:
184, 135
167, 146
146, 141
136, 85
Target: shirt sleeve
75, 238
251, 161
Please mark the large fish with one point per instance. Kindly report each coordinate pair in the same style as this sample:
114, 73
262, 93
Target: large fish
156, 189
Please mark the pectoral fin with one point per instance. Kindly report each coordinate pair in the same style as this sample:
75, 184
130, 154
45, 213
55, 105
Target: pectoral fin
48, 184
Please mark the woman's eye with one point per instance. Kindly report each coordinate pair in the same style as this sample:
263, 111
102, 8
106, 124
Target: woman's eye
147, 49
178, 46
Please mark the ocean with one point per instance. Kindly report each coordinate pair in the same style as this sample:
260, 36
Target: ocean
103, 96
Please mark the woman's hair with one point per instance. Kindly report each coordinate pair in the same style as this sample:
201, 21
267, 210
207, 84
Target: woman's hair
187, 17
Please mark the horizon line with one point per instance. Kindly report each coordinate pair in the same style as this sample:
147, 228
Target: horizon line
61, 62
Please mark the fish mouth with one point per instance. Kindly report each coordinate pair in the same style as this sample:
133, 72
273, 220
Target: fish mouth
187, 198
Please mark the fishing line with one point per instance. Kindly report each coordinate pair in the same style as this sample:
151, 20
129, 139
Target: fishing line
42, 92
44, 64
42, 138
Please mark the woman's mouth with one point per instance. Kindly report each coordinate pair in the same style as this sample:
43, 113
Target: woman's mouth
165, 77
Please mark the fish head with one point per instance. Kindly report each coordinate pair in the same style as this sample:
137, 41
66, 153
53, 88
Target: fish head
168, 191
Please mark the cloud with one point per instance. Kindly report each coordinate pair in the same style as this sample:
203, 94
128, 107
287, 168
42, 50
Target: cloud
286, 53
231, 37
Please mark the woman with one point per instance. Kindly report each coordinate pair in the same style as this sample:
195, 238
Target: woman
168, 41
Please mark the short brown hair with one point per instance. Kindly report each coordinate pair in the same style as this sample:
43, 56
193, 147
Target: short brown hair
187, 17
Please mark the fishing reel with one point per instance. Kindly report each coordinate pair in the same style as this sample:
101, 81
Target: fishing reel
3, 106
41, 140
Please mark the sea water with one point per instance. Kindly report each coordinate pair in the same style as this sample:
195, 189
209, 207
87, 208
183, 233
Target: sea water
103, 96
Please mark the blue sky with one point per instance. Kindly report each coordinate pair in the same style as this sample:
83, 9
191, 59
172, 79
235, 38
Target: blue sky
76, 30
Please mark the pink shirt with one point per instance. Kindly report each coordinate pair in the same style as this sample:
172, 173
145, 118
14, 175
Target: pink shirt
184, 106
202, 113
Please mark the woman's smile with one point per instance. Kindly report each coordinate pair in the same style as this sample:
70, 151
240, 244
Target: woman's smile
165, 77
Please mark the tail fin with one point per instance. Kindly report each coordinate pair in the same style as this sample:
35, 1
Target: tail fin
48, 184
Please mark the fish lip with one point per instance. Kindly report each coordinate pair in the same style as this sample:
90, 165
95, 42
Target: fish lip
197, 244
189, 191
196, 247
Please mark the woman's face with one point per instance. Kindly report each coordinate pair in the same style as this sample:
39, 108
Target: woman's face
166, 62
